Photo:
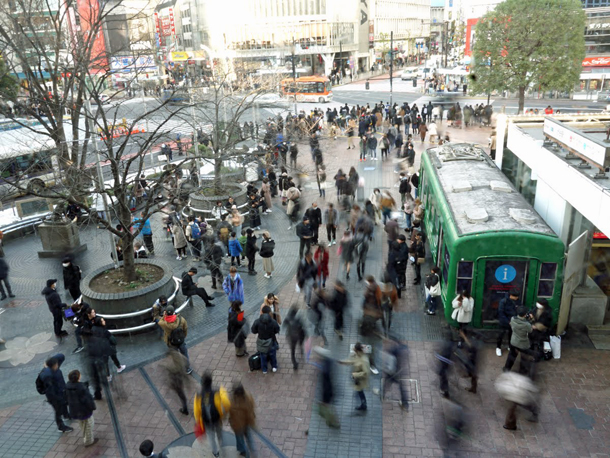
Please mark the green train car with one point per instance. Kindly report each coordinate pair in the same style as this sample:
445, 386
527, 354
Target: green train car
484, 236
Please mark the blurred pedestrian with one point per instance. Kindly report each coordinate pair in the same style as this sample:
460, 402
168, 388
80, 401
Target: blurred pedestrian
326, 408
53, 386
518, 390
321, 258
210, 406
317, 308
346, 252
81, 406
242, 418
175, 368
371, 314
360, 373
519, 340
99, 331
468, 354
306, 276
4, 278
295, 332
338, 303
395, 369
463, 305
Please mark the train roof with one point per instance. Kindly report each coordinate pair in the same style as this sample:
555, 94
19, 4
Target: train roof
479, 195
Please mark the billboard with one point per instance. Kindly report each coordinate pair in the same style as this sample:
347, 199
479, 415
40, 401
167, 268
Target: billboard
363, 28
89, 14
470, 36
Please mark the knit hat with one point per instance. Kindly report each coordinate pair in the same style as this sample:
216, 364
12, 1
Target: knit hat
51, 282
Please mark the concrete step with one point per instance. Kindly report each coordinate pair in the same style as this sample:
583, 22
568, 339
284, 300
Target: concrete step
603, 330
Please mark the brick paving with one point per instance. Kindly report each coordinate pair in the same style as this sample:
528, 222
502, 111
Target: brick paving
286, 408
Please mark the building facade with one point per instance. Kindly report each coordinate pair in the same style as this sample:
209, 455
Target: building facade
409, 20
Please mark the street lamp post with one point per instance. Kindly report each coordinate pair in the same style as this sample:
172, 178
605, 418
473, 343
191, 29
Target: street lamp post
294, 77
391, 64
100, 179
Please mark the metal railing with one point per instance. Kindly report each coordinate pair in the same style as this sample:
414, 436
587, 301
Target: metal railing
144, 326
32, 221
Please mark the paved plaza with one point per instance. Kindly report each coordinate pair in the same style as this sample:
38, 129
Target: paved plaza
138, 405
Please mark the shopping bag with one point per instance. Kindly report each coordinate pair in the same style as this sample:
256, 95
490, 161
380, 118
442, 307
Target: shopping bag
556, 346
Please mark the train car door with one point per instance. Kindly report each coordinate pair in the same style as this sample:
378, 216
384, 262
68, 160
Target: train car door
495, 278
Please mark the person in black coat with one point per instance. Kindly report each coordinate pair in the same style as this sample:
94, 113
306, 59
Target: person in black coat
542, 320
55, 389
314, 215
399, 258
213, 259
305, 234
4, 278
81, 406
338, 303
295, 333
56, 307
72, 277
251, 250
189, 288
507, 309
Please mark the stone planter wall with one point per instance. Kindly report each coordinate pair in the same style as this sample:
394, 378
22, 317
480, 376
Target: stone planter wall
129, 301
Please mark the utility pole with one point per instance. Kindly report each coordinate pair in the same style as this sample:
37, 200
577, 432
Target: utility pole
340, 60
445, 42
391, 64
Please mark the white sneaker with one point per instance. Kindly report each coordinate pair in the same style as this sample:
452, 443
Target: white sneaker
109, 378
374, 370
498, 352
274, 369
289, 227
267, 276
330, 243
269, 211
334, 242
121, 369
178, 258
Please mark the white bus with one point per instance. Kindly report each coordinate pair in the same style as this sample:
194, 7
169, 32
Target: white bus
29, 157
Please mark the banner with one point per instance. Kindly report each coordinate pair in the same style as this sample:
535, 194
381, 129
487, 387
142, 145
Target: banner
596, 62
363, 28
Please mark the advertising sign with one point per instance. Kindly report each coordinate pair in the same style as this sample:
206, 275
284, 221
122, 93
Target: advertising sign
597, 153
596, 62
371, 34
172, 23
166, 29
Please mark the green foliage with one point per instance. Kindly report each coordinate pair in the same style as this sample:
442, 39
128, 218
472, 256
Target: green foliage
9, 85
523, 43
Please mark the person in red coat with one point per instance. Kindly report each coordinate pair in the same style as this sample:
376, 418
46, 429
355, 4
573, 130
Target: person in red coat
321, 259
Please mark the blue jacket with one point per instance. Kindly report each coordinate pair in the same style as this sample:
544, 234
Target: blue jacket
506, 310
234, 247
146, 229
55, 385
234, 289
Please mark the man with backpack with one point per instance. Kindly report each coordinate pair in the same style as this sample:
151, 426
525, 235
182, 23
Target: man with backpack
189, 288
51, 383
266, 328
210, 406
175, 330
193, 235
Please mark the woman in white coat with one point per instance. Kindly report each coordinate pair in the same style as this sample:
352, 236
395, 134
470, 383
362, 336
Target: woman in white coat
463, 305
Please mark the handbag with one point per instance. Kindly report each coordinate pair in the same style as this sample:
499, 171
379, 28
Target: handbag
420, 261
454, 314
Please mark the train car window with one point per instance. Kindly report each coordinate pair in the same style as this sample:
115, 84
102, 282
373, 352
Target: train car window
446, 264
546, 284
464, 276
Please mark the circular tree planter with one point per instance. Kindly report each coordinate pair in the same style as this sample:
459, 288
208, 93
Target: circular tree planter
202, 204
129, 301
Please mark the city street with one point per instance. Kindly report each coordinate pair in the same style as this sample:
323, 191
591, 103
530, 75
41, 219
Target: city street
139, 403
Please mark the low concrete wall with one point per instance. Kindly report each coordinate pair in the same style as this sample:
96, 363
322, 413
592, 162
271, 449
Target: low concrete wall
129, 301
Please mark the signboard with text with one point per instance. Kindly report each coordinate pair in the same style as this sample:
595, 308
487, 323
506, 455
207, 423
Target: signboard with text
588, 148
596, 62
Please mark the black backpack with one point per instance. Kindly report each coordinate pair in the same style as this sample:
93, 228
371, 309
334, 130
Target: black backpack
40, 385
209, 413
176, 337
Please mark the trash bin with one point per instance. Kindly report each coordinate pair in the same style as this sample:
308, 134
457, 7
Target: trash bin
367, 85
414, 82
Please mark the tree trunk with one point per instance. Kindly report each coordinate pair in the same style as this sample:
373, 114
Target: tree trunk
217, 175
129, 266
521, 99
